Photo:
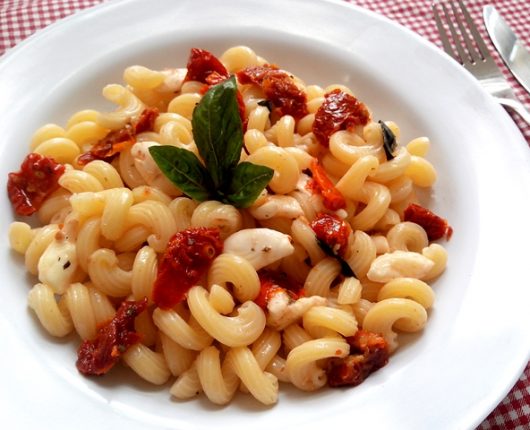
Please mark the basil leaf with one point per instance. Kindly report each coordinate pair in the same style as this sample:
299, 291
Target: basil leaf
389, 140
248, 180
218, 130
183, 168
266, 103
345, 268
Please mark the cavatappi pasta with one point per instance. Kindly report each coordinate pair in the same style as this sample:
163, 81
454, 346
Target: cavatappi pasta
106, 227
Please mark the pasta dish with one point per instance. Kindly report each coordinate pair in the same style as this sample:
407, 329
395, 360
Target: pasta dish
228, 227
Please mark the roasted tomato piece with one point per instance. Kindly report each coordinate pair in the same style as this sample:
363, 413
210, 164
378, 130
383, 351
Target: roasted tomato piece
146, 121
119, 140
188, 256
255, 74
37, 178
204, 66
332, 198
279, 88
339, 111
215, 78
333, 231
435, 226
107, 148
368, 353
286, 97
272, 283
97, 356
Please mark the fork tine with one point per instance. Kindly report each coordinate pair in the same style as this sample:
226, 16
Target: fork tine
473, 53
443, 34
475, 33
454, 34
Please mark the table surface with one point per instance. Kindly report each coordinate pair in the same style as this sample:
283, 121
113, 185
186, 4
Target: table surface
21, 18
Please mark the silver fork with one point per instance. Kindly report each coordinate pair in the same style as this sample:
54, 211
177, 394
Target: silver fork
475, 57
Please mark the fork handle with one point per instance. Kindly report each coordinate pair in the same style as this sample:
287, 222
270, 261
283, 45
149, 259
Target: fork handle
517, 107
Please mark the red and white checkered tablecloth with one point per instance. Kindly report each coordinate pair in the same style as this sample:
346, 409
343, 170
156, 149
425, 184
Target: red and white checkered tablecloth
21, 18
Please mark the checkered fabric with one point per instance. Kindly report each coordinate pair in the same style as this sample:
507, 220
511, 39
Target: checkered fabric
21, 18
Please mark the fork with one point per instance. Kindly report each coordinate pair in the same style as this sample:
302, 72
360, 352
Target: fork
475, 57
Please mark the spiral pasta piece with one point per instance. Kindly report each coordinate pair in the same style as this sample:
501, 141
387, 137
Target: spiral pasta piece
61, 149
320, 277
215, 214
52, 315
306, 237
186, 334
349, 147
438, 255
55, 208
407, 236
240, 330
187, 384
106, 274
377, 200
38, 245
266, 347
219, 383
382, 316
20, 236
352, 181
129, 107
360, 254
334, 320
148, 364
301, 361
239, 57
144, 273
235, 270
284, 165
262, 385
155, 216
178, 358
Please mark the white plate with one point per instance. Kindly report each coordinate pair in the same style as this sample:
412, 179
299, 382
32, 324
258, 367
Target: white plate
477, 340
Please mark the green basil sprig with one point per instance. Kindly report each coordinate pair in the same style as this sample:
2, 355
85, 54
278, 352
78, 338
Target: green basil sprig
218, 134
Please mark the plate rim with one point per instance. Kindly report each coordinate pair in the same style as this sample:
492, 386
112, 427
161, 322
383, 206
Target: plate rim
96, 9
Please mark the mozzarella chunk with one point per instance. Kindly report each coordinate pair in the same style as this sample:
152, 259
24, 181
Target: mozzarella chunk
283, 312
277, 206
149, 170
259, 246
58, 264
399, 264
174, 80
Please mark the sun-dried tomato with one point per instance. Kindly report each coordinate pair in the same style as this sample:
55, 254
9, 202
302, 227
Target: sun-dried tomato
111, 145
146, 121
331, 197
436, 227
204, 66
339, 111
255, 74
97, 356
188, 256
333, 231
272, 283
287, 98
368, 353
279, 88
215, 78
119, 140
37, 178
